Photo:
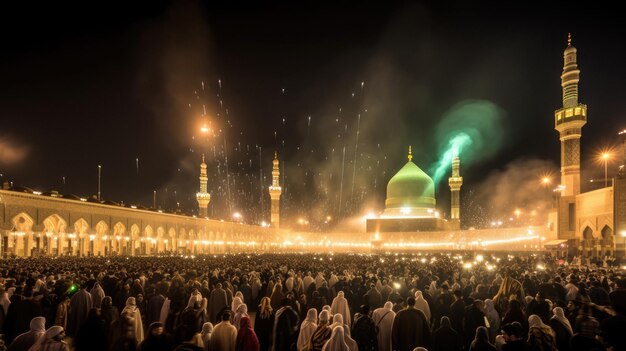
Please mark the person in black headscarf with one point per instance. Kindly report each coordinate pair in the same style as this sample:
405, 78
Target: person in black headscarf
286, 325
156, 339
445, 338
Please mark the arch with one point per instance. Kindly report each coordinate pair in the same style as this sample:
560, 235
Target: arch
22, 222
101, 228
81, 226
607, 240
54, 224
22, 229
134, 232
148, 232
172, 242
119, 229
587, 242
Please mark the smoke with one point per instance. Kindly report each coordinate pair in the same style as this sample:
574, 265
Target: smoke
11, 152
472, 130
517, 187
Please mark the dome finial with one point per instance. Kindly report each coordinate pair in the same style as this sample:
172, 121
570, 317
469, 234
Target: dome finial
569, 39
202, 158
410, 154
276, 155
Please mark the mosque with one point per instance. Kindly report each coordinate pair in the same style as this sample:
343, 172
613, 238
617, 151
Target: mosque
581, 223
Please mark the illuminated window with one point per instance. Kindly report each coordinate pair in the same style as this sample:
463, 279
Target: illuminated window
569, 112
577, 111
585, 112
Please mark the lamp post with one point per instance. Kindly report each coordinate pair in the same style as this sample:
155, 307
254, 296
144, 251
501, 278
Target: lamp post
99, 172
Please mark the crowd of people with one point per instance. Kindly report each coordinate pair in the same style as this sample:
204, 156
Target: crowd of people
308, 302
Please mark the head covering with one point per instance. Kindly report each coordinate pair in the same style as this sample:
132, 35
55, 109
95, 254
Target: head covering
388, 305
324, 316
237, 301
311, 315
336, 341
207, 328
559, 315
534, 321
131, 302
265, 308
445, 322
38, 324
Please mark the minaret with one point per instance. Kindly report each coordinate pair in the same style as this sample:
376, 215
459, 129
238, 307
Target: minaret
275, 191
455, 182
568, 121
203, 196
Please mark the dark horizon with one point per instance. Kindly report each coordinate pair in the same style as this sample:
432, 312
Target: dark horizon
117, 83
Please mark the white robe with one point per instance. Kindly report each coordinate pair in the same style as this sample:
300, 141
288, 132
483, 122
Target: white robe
307, 328
422, 304
340, 305
383, 318
308, 280
133, 311
223, 337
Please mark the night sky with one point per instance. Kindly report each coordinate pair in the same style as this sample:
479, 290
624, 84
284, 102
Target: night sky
110, 84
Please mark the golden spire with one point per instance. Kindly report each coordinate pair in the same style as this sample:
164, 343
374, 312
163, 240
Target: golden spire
569, 39
202, 158
275, 155
410, 154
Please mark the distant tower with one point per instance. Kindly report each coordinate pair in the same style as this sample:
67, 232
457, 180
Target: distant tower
203, 196
455, 182
568, 121
275, 191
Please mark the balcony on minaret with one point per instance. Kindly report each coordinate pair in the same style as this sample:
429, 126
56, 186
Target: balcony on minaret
576, 114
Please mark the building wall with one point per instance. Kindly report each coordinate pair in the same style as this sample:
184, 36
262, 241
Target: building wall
594, 222
34, 224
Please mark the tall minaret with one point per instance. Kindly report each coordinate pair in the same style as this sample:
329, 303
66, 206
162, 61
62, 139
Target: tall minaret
203, 196
568, 121
455, 182
275, 191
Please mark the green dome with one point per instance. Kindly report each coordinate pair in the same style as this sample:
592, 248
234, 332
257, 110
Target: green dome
410, 192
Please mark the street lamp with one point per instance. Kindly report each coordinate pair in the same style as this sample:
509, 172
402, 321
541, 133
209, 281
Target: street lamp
605, 157
99, 171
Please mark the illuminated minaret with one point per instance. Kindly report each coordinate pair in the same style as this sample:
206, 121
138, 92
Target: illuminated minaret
203, 196
568, 121
455, 182
275, 191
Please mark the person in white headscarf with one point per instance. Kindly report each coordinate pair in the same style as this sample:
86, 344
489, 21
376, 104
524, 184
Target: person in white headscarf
383, 319
51, 340
340, 306
25, 341
336, 341
132, 311
421, 304
207, 330
97, 294
338, 321
494, 319
562, 328
235, 304
242, 311
307, 280
319, 279
307, 328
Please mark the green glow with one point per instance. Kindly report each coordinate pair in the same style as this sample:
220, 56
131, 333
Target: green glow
472, 130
